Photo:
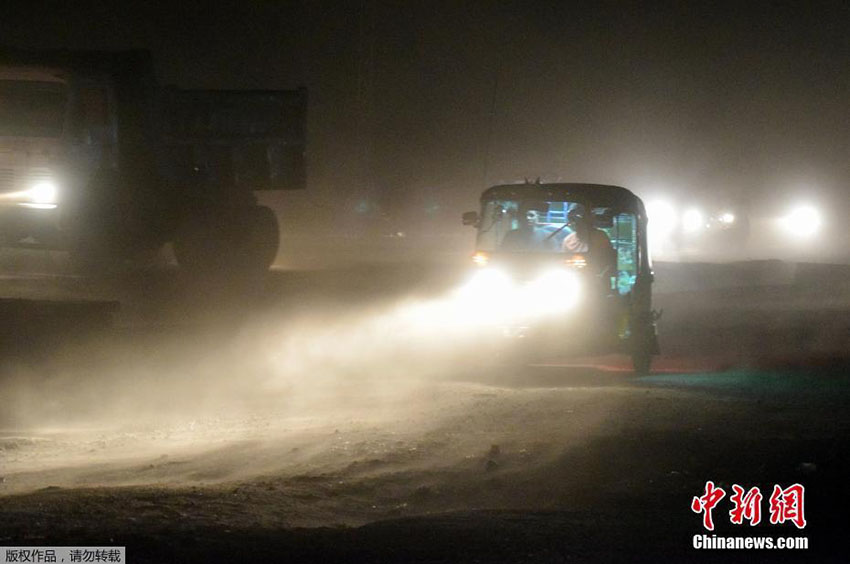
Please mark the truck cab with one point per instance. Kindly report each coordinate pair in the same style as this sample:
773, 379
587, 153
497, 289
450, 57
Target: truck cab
98, 159
34, 115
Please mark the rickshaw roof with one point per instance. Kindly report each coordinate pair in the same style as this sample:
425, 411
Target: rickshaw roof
596, 194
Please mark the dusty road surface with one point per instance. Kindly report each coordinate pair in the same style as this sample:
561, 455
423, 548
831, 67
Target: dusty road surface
329, 418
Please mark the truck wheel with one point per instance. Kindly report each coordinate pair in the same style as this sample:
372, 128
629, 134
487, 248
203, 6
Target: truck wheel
263, 237
91, 253
193, 246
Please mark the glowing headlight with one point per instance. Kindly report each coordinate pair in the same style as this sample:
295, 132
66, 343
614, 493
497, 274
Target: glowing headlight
662, 221
486, 283
557, 279
692, 220
555, 290
486, 297
726, 218
42, 193
802, 220
662, 216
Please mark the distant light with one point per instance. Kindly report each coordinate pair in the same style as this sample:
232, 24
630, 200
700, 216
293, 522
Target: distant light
803, 220
692, 220
662, 221
662, 216
727, 218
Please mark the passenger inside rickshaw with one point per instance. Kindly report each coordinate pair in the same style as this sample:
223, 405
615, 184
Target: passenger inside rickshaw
530, 234
603, 240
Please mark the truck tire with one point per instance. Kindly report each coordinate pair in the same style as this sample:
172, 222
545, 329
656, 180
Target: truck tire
264, 237
96, 231
91, 258
231, 245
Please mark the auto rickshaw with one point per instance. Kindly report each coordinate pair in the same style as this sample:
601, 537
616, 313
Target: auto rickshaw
569, 265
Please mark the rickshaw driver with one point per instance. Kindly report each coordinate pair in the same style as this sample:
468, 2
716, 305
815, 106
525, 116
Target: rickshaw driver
602, 258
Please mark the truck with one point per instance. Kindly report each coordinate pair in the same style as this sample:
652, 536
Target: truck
100, 160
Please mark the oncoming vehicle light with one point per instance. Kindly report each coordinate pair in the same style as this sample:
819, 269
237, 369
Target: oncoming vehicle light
662, 221
485, 298
727, 218
662, 216
487, 283
803, 220
556, 289
692, 220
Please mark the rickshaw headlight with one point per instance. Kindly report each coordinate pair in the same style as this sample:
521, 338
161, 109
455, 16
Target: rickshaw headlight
556, 289
487, 283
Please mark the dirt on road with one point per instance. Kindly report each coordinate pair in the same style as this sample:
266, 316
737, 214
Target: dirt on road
187, 444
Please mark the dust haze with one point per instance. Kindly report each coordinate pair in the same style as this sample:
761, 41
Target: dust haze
253, 385
351, 406
367, 398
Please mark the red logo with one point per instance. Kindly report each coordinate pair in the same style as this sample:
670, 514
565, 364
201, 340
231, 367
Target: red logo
706, 503
747, 506
785, 505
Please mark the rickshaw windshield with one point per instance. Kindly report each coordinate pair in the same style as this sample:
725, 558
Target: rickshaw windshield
525, 226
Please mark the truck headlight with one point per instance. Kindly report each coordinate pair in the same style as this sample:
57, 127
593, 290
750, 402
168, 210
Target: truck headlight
42, 193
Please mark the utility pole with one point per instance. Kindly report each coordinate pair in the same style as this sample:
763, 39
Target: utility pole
365, 102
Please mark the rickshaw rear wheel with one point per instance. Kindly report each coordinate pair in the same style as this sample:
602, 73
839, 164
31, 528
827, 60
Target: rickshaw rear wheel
644, 346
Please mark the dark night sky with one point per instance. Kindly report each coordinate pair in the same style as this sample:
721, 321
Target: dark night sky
676, 96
